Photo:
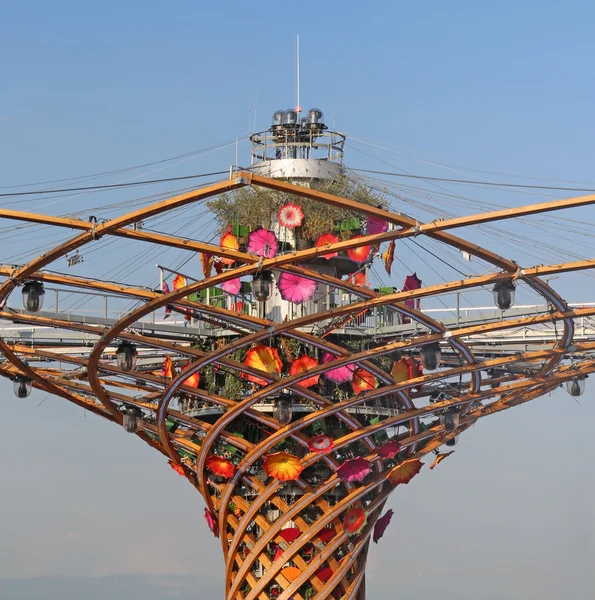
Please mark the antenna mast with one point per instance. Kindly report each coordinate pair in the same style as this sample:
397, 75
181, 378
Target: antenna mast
298, 107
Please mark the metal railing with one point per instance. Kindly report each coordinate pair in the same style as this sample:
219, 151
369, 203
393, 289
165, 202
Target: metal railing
295, 143
381, 320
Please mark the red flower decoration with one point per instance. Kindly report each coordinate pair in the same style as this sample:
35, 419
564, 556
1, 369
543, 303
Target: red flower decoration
324, 574
178, 468
324, 240
389, 450
326, 534
321, 443
354, 521
212, 522
360, 278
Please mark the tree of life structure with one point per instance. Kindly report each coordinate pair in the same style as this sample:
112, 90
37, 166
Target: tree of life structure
295, 469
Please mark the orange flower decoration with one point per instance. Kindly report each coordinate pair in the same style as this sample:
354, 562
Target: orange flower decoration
388, 256
229, 241
361, 253
179, 281
363, 381
220, 466
304, 363
167, 369
400, 370
439, 458
265, 359
193, 380
283, 466
406, 471
405, 369
207, 263
291, 573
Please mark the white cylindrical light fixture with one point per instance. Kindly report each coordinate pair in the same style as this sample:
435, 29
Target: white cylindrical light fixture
33, 294
504, 294
261, 286
126, 355
576, 386
430, 356
282, 410
22, 386
130, 420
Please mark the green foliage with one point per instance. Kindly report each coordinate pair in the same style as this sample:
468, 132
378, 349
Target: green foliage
253, 207
233, 386
384, 362
341, 393
207, 376
225, 382
310, 593
290, 349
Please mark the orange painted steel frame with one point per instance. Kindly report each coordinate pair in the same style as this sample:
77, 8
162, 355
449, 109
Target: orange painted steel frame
247, 532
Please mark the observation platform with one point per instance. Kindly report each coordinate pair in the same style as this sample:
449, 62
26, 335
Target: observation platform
383, 324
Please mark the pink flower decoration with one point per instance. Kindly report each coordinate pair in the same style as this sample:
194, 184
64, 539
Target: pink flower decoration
290, 215
296, 289
377, 225
232, 286
263, 242
355, 469
340, 374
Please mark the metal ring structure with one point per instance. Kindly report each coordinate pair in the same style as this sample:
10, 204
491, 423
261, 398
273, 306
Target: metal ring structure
251, 509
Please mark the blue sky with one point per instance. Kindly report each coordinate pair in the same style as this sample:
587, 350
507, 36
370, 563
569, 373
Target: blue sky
505, 86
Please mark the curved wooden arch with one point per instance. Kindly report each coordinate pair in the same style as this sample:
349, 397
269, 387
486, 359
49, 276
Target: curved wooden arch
113, 389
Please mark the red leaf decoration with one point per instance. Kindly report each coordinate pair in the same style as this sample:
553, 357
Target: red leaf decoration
212, 522
178, 468
381, 525
439, 458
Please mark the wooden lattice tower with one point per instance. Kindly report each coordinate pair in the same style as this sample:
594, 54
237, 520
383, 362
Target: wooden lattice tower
251, 510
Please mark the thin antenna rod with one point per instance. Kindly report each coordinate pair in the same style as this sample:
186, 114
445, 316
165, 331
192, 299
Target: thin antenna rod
299, 108
255, 108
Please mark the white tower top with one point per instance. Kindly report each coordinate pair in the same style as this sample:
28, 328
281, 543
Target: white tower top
298, 148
